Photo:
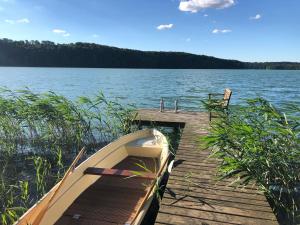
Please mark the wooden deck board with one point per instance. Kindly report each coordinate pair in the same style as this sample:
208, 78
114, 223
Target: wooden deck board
201, 198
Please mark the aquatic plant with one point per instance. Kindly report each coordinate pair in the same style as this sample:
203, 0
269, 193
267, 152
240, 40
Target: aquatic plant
59, 164
40, 122
24, 194
259, 144
42, 170
14, 201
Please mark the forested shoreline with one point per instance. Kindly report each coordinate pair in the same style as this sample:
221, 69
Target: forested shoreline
89, 55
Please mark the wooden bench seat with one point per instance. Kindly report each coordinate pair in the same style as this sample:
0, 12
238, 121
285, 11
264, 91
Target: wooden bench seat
118, 172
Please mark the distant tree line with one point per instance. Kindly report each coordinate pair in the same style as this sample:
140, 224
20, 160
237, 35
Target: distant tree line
274, 65
50, 54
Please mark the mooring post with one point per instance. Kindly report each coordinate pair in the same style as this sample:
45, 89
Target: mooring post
162, 105
176, 106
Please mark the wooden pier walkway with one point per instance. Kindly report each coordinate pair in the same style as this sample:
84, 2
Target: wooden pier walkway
193, 195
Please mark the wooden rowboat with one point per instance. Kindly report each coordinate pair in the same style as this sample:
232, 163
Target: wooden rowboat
110, 187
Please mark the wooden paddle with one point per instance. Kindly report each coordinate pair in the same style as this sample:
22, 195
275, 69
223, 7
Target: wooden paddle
69, 171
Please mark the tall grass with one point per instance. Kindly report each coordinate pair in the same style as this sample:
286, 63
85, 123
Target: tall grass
260, 144
41, 133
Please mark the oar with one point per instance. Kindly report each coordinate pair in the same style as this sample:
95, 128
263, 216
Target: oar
69, 171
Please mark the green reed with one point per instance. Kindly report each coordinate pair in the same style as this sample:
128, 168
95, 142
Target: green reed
14, 200
259, 144
42, 170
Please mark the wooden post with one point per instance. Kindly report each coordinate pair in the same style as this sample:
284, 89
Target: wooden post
176, 106
162, 106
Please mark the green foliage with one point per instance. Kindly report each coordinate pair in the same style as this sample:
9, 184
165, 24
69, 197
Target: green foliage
49, 54
215, 105
59, 164
42, 169
273, 65
10, 196
24, 193
47, 122
257, 143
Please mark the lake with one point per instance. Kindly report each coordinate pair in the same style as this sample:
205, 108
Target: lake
145, 87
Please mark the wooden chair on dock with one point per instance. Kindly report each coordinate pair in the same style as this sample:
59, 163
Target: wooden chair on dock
216, 104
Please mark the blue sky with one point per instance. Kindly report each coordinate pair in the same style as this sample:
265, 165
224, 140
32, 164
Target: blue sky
249, 30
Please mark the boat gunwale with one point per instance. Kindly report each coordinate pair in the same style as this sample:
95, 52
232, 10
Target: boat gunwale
110, 145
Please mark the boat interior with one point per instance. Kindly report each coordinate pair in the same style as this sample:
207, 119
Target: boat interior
112, 199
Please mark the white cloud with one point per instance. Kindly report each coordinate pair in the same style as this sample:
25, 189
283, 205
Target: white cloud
188, 39
164, 26
95, 35
197, 5
218, 31
9, 21
61, 32
23, 20
256, 17
205, 15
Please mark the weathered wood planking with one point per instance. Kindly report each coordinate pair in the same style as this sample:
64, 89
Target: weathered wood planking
200, 198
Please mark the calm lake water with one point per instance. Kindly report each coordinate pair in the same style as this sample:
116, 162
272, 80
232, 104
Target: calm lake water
145, 87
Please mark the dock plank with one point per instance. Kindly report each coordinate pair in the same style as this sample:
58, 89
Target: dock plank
193, 194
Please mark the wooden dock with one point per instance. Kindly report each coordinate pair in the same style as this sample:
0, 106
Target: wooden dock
193, 195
